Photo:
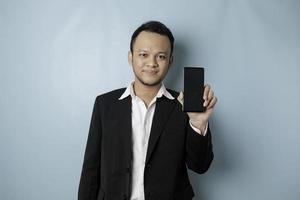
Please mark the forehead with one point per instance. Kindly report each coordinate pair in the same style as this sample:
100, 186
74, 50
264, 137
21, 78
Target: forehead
152, 42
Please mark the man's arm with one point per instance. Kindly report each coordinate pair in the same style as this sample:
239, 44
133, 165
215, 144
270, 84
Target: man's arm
90, 175
199, 151
199, 154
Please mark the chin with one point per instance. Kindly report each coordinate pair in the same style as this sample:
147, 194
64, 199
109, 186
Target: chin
151, 83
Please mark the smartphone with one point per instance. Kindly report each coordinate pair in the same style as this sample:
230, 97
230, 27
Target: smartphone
193, 89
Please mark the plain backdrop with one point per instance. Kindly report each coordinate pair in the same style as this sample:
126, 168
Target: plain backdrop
57, 56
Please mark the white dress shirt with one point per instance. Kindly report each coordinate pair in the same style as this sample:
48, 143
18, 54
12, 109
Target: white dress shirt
142, 118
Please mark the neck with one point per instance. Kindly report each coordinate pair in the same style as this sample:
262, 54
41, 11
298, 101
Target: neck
145, 92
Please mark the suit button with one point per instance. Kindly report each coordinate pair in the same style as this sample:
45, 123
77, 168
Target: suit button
124, 197
127, 170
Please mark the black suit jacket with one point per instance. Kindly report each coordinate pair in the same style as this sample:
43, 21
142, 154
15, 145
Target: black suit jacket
173, 145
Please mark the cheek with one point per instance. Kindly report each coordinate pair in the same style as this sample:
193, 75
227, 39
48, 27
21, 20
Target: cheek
164, 67
137, 62
137, 66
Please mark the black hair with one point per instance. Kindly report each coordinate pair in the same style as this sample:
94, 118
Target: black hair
153, 27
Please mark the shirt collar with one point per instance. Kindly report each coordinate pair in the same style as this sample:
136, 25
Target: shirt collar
162, 91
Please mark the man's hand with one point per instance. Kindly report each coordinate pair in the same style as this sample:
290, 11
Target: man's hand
200, 119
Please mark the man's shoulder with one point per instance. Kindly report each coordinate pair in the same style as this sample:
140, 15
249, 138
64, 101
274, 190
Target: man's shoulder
174, 93
112, 95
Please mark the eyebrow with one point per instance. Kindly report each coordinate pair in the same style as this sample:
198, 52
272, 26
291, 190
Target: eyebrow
161, 52
142, 50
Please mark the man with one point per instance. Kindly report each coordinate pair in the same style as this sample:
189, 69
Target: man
140, 141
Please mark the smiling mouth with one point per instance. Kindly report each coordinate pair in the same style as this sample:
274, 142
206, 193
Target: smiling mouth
151, 72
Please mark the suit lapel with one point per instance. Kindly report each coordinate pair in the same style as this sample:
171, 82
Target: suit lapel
162, 112
125, 125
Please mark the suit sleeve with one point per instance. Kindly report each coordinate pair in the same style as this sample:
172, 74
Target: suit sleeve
199, 152
90, 174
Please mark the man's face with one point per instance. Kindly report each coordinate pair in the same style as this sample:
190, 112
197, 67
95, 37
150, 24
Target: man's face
151, 58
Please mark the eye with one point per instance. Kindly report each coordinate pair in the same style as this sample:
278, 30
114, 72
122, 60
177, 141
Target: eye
162, 57
143, 55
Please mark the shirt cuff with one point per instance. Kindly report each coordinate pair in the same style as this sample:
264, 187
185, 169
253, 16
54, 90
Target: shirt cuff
198, 130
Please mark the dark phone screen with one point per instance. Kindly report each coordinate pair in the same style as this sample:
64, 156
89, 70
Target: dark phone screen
193, 89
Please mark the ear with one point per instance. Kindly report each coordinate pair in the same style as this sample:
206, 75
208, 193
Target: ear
171, 61
129, 57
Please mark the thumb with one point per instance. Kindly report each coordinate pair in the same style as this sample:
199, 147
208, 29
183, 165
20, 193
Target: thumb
180, 98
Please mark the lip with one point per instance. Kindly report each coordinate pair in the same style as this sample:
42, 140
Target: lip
151, 72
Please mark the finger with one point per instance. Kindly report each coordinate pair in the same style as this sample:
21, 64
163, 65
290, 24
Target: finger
212, 102
210, 97
206, 91
180, 98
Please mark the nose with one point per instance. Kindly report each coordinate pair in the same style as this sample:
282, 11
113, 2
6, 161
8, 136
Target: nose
152, 62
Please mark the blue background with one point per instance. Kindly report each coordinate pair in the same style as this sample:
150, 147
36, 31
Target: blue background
57, 56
